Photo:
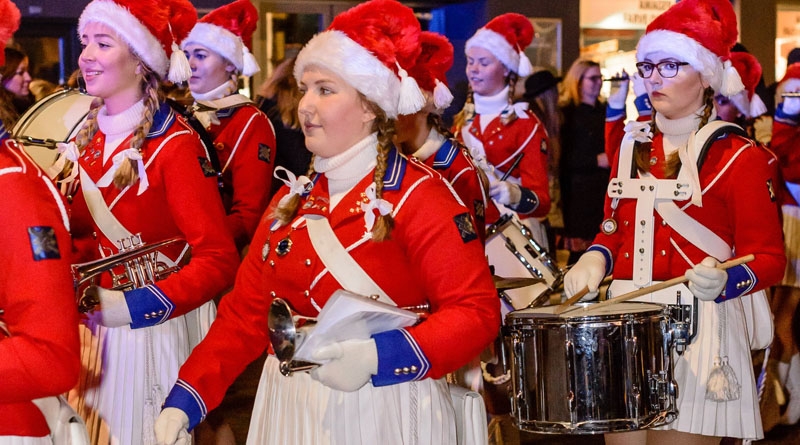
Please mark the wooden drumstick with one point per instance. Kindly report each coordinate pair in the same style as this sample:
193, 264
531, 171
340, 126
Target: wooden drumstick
665, 284
565, 306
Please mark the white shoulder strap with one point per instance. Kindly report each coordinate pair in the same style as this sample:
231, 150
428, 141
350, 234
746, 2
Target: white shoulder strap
339, 262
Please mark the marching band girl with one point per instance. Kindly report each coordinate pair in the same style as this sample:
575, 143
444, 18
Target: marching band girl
683, 207
136, 166
244, 141
424, 136
401, 223
38, 335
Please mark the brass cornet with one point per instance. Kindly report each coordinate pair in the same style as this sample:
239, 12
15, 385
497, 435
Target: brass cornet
140, 263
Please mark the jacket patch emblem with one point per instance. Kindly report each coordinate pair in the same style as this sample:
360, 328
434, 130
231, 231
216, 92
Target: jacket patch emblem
480, 210
43, 243
770, 190
465, 227
205, 165
264, 152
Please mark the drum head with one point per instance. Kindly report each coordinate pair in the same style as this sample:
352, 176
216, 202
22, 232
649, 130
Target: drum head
56, 118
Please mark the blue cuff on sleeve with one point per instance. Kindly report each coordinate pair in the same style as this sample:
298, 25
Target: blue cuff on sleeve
528, 202
741, 281
643, 105
606, 253
184, 397
148, 306
400, 359
788, 119
614, 114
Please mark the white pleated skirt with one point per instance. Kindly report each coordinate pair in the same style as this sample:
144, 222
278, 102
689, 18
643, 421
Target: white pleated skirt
791, 240
298, 410
739, 418
25, 440
126, 375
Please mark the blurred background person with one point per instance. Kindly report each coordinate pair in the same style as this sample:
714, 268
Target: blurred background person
584, 166
15, 95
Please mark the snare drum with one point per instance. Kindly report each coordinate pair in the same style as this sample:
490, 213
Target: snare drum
514, 251
56, 118
603, 371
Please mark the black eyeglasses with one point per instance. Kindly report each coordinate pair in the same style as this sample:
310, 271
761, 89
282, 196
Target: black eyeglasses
666, 69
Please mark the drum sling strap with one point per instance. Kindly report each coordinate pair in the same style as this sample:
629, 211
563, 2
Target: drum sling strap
469, 407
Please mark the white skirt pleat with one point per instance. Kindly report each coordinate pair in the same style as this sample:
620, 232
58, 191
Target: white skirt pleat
298, 410
126, 375
739, 418
25, 440
791, 240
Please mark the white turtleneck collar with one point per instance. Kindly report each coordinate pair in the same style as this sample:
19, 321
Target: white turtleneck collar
489, 107
223, 90
431, 145
118, 127
677, 131
349, 167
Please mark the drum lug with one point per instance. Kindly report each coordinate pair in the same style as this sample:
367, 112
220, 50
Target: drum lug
660, 390
569, 352
680, 320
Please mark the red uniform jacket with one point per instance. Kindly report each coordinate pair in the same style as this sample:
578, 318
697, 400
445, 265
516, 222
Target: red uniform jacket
245, 144
179, 202
454, 163
503, 143
738, 205
786, 146
433, 256
41, 357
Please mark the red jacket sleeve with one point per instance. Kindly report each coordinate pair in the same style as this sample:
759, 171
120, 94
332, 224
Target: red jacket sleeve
533, 167
251, 167
786, 145
41, 358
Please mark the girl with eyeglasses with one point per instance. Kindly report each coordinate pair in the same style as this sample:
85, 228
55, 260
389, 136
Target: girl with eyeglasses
683, 209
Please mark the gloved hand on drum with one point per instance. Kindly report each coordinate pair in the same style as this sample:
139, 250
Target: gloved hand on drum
171, 427
587, 272
347, 365
705, 280
619, 91
504, 192
113, 310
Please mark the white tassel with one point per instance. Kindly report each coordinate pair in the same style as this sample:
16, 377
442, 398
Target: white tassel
722, 385
411, 97
757, 106
442, 97
525, 67
250, 67
731, 81
179, 69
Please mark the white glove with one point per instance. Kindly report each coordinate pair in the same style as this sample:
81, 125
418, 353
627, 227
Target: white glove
791, 105
619, 92
171, 427
705, 280
113, 311
587, 272
504, 192
638, 85
347, 365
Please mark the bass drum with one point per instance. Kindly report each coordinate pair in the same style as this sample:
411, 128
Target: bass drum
56, 118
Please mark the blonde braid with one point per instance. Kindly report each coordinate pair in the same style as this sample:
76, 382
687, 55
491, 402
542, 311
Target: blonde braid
512, 85
127, 174
466, 114
85, 135
384, 224
286, 213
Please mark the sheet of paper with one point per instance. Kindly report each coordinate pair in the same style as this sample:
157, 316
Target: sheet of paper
347, 316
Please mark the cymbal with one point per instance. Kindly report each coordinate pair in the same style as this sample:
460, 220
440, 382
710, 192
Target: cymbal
501, 283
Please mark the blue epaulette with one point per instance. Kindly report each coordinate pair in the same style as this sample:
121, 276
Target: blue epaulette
162, 120
445, 155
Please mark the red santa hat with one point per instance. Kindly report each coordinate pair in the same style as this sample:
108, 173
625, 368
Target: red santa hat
700, 32
506, 37
8, 25
430, 70
228, 31
151, 28
371, 46
747, 101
